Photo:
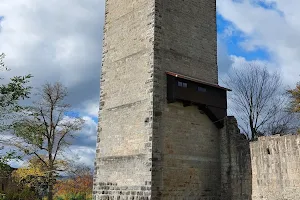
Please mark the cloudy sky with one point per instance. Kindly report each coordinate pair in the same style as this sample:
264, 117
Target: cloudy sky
61, 40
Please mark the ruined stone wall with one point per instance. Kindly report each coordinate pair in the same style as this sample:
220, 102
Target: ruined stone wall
276, 168
267, 169
185, 142
236, 178
123, 158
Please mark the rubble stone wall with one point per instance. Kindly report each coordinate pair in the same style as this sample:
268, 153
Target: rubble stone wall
276, 168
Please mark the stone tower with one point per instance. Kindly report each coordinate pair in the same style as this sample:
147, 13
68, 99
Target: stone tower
151, 146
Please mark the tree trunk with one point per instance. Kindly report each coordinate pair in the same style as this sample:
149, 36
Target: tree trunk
50, 185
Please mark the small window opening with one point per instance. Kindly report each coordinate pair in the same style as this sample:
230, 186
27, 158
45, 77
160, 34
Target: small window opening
147, 120
268, 151
182, 84
201, 89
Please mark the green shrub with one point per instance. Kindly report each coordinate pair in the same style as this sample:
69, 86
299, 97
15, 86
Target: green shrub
25, 194
2, 197
73, 197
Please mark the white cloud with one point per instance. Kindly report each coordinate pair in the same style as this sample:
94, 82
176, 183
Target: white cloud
82, 148
58, 41
85, 155
276, 30
53, 40
85, 142
90, 127
238, 62
91, 107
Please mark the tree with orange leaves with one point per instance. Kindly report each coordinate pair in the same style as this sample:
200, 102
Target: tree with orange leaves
78, 186
34, 175
295, 102
295, 94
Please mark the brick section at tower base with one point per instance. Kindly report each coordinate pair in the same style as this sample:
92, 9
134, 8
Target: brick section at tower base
111, 191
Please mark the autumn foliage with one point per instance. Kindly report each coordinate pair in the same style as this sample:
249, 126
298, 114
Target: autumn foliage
295, 93
34, 169
79, 186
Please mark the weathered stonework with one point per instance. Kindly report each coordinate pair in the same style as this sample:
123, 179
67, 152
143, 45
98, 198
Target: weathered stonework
123, 161
267, 169
186, 143
236, 174
276, 168
147, 148
150, 149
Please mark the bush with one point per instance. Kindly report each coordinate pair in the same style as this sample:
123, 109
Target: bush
24, 194
74, 197
2, 196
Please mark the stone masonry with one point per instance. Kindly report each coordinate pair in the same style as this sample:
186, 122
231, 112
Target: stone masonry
124, 146
266, 169
146, 148
149, 149
276, 168
236, 174
186, 142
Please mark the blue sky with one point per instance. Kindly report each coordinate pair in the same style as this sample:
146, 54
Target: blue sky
233, 41
78, 114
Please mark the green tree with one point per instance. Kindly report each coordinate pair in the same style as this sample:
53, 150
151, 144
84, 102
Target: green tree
45, 132
33, 175
10, 95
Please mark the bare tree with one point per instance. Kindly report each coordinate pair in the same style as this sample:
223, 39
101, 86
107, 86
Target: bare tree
2, 66
258, 100
79, 169
46, 131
